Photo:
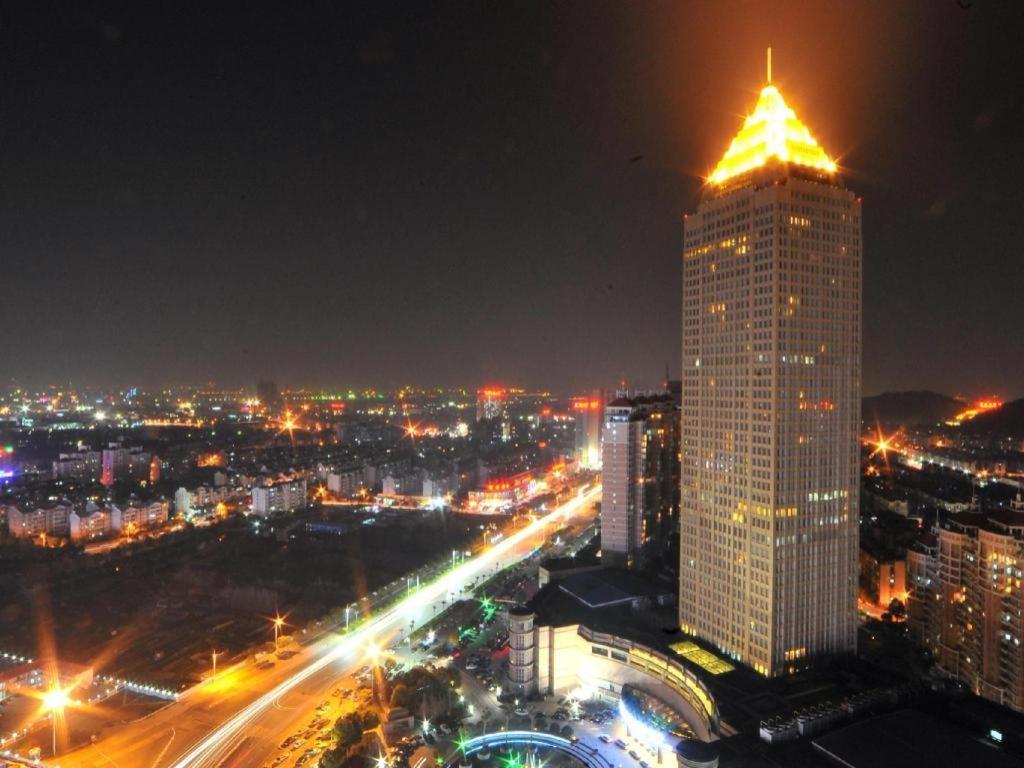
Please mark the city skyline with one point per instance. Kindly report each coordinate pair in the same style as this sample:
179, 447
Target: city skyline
590, 385
197, 200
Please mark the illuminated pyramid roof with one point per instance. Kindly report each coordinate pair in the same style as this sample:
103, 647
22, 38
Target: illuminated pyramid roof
772, 131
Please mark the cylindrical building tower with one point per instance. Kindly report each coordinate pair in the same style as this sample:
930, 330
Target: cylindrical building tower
522, 672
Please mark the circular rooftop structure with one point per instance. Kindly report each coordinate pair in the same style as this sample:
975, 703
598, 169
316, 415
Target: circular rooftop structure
697, 754
588, 756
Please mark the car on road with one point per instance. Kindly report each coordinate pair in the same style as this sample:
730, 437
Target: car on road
620, 744
604, 738
633, 754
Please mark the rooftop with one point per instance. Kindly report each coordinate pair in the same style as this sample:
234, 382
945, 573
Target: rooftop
909, 737
603, 589
771, 131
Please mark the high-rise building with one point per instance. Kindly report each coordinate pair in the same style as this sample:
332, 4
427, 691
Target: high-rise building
637, 470
120, 463
588, 414
269, 395
771, 400
965, 601
81, 465
490, 403
182, 503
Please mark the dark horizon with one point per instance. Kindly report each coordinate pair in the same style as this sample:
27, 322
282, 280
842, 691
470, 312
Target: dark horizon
452, 195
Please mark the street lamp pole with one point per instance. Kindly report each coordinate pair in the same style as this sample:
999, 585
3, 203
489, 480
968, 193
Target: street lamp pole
215, 655
55, 701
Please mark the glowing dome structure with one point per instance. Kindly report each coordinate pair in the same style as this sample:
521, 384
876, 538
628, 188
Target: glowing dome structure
772, 131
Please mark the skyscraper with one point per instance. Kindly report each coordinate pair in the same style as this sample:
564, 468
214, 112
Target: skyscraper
638, 467
771, 399
588, 413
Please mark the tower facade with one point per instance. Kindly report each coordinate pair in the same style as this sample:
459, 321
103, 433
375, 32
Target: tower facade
771, 400
521, 663
588, 413
637, 472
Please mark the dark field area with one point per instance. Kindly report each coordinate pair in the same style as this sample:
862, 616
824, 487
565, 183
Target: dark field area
154, 611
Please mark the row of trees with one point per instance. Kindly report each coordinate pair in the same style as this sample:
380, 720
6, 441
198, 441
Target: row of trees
430, 694
351, 740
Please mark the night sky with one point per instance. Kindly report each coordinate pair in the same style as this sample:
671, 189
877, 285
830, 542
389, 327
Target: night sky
451, 193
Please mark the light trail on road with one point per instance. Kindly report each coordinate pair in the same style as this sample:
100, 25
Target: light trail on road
218, 745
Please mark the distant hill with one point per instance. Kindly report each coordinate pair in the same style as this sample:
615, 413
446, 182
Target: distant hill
1008, 420
910, 408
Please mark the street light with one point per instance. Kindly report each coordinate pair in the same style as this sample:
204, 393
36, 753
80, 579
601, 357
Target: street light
373, 653
215, 655
54, 701
278, 623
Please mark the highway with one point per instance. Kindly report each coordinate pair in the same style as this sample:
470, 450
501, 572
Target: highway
245, 712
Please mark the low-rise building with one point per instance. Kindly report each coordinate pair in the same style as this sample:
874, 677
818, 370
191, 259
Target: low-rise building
347, 481
408, 484
51, 520
439, 484
137, 516
92, 522
283, 495
561, 659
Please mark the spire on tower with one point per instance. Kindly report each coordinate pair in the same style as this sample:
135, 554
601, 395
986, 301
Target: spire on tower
771, 131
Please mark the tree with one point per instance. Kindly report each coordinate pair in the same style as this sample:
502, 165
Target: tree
897, 609
402, 696
348, 729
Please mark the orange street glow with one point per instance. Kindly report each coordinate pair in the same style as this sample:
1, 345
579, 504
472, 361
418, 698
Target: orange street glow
55, 700
882, 444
